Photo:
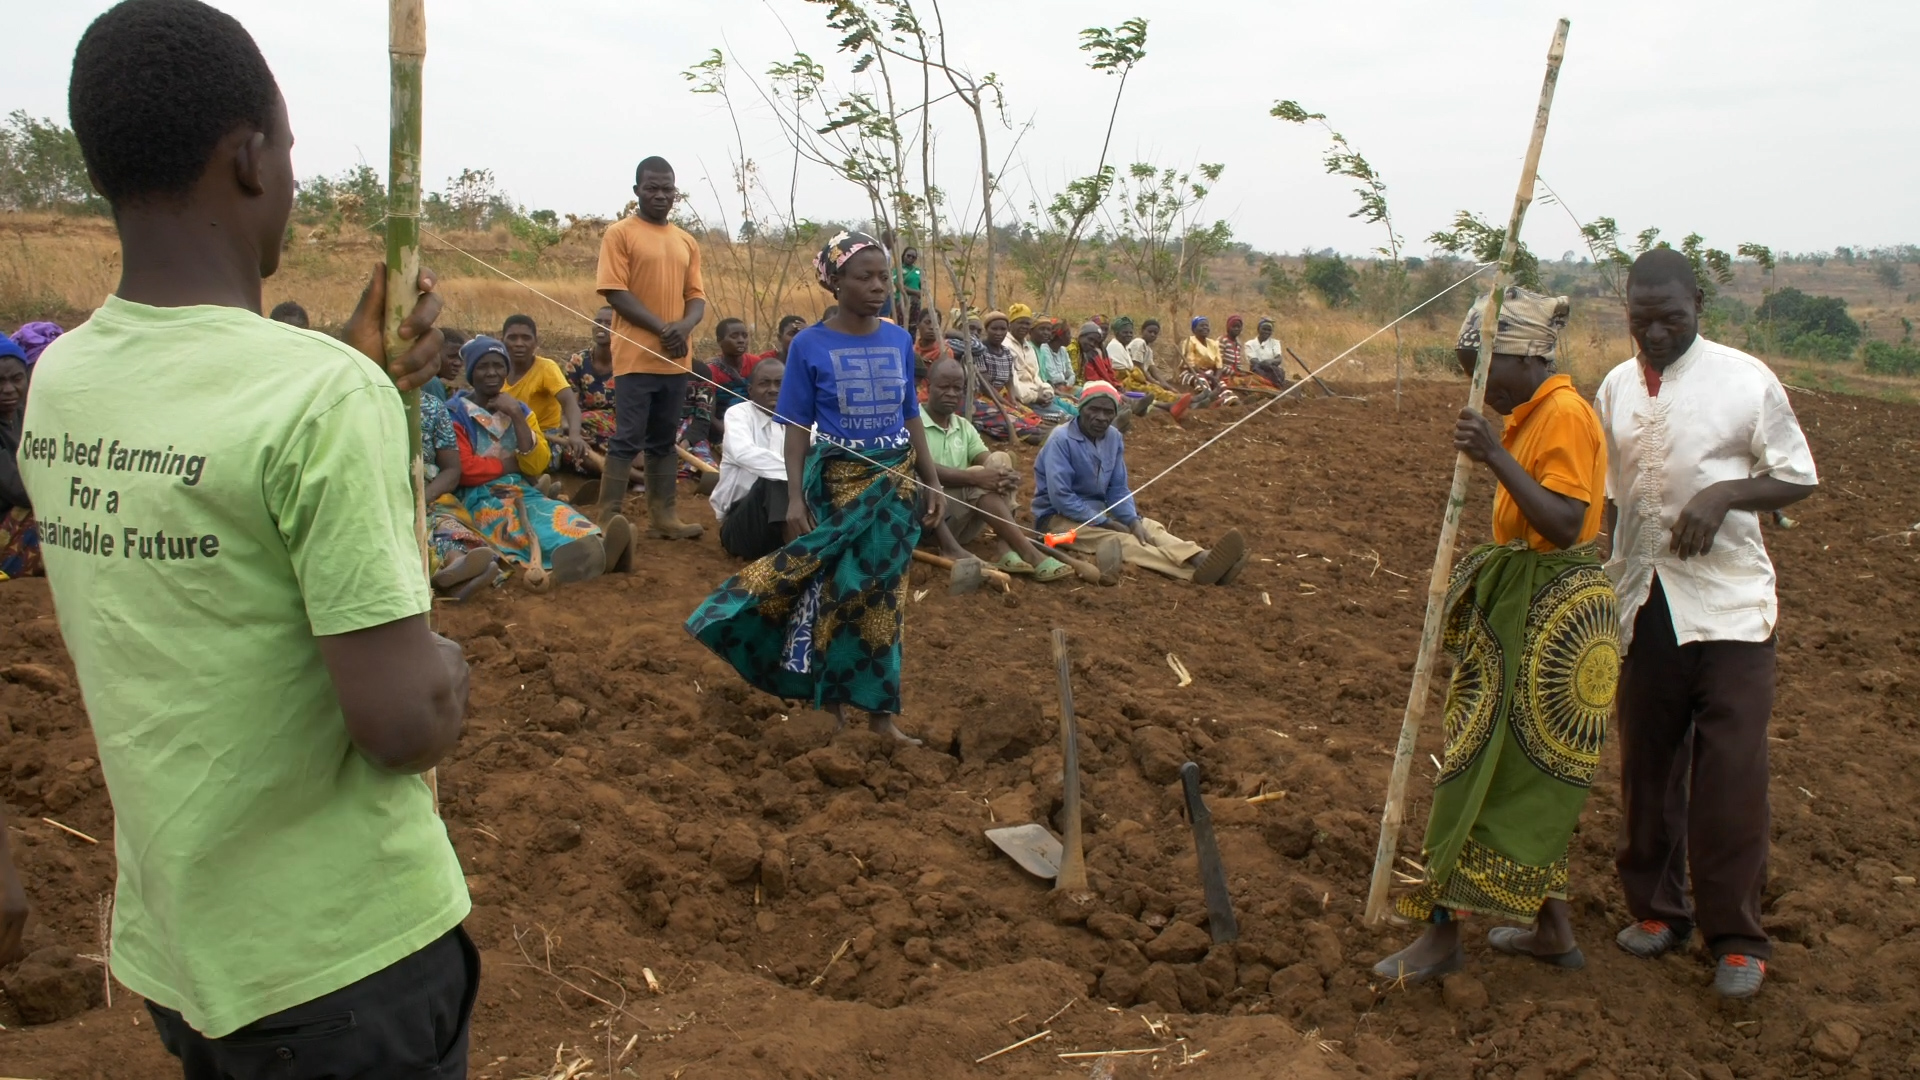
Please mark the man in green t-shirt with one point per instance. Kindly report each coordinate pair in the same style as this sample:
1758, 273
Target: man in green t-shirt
228, 535
981, 484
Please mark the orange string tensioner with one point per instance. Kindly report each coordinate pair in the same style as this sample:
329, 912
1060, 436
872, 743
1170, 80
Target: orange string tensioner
1057, 539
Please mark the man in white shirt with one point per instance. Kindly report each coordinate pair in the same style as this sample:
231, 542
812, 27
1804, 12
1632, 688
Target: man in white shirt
751, 498
1700, 441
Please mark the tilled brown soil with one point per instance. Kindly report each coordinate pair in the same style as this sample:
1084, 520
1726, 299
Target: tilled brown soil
816, 906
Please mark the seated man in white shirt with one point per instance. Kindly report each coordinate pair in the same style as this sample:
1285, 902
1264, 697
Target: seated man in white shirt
751, 498
1700, 441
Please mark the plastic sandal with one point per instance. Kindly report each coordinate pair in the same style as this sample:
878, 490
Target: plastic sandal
1051, 569
1012, 563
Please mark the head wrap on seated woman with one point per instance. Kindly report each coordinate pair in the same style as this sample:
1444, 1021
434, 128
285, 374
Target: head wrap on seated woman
992, 315
1231, 319
1124, 322
1091, 328
34, 338
1019, 311
481, 345
10, 347
1100, 388
1530, 325
1194, 323
838, 250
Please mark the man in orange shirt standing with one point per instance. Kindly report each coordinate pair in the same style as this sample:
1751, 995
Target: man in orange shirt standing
650, 274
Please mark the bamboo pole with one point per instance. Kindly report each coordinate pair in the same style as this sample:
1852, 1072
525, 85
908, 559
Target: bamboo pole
407, 53
1394, 814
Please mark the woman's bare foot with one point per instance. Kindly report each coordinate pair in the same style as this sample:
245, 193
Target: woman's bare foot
878, 723
882, 724
1437, 952
1551, 933
467, 567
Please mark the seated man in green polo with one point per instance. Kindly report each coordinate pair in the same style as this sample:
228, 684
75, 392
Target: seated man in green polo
980, 484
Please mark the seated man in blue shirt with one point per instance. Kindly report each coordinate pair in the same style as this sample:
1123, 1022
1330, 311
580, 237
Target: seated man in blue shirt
1080, 485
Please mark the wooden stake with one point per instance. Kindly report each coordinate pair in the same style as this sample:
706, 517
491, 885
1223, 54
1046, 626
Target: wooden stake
407, 54
1394, 814
1073, 858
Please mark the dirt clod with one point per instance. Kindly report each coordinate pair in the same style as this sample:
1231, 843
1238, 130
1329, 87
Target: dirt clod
1159, 753
1836, 1041
52, 984
1464, 993
736, 855
1179, 943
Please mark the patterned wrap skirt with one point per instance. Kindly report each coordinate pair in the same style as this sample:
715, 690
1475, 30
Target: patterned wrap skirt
1535, 641
819, 620
556, 523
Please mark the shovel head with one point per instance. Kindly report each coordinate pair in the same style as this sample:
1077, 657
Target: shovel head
967, 576
1036, 850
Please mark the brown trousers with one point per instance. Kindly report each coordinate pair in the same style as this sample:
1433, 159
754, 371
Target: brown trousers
1693, 764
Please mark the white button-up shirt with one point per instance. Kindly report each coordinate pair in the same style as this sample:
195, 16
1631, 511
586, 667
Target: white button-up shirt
755, 448
1719, 415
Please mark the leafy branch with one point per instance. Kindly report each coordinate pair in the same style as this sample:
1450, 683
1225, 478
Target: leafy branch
1343, 160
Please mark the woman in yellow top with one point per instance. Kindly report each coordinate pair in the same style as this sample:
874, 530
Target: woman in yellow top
1532, 628
542, 384
1202, 368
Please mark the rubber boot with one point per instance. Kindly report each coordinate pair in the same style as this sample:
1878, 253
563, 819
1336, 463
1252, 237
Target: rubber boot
618, 535
662, 494
613, 488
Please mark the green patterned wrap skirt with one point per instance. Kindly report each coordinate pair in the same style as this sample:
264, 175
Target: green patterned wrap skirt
1535, 641
819, 620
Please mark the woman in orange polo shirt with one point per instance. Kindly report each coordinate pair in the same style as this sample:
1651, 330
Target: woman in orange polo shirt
1533, 632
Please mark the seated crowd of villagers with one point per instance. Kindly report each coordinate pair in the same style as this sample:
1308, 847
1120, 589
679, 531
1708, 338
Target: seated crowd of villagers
502, 424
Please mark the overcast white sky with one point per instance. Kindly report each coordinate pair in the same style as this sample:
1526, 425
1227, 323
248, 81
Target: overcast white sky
1746, 120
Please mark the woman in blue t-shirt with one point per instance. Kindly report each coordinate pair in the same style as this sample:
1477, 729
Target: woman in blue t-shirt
820, 619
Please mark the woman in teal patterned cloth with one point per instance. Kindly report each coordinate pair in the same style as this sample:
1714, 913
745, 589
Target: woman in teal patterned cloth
819, 620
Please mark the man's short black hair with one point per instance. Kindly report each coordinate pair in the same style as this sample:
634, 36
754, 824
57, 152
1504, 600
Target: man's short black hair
655, 164
291, 313
790, 320
1155, 323
156, 85
941, 363
1663, 266
450, 336
720, 328
519, 320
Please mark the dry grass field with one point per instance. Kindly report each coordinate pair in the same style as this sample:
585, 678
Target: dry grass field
59, 268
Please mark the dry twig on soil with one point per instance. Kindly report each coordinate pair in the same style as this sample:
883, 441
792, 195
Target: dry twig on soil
834, 959
69, 830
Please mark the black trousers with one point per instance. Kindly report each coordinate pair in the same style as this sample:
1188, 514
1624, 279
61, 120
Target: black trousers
646, 414
1693, 770
407, 1020
755, 527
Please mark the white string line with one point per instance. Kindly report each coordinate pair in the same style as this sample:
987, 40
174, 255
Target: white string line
1290, 388
904, 474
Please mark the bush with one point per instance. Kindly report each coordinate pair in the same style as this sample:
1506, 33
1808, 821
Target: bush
1807, 327
41, 168
1331, 278
1885, 358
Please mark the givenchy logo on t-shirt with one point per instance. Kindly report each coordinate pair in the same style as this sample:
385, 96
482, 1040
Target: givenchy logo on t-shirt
872, 383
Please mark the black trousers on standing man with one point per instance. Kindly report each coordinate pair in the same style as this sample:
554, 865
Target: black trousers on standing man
646, 414
1693, 765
